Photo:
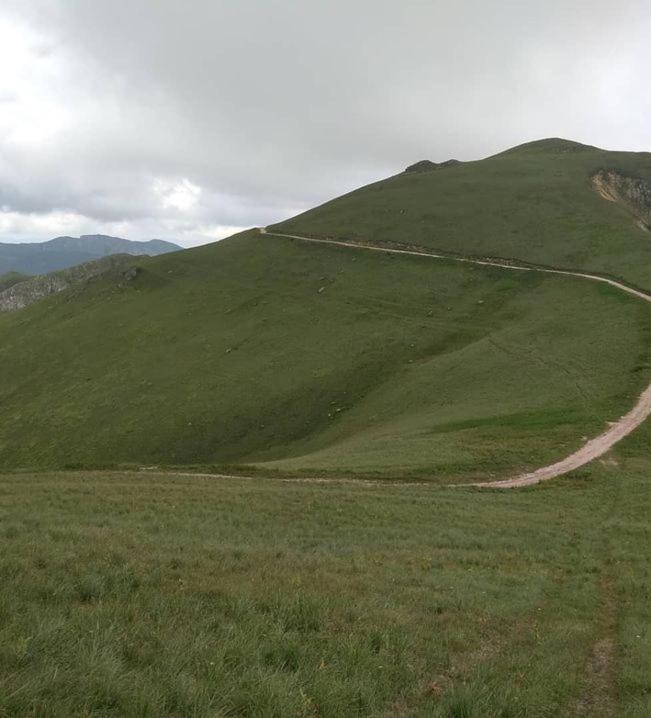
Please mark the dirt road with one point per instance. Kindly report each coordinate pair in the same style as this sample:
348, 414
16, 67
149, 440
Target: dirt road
594, 448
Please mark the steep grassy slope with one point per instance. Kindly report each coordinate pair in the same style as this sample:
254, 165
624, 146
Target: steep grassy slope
302, 357
552, 202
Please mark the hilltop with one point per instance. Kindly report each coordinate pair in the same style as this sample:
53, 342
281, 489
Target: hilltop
553, 202
64, 252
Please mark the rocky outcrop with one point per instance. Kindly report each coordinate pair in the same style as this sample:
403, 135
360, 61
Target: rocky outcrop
634, 193
428, 165
22, 294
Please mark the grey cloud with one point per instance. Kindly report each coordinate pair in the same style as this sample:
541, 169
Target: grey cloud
274, 105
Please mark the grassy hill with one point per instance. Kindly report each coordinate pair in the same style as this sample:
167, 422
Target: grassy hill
295, 357
543, 202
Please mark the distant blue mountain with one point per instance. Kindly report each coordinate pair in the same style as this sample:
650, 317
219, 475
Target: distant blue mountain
64, 252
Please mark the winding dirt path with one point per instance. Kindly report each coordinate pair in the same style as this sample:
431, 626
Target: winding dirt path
594, 448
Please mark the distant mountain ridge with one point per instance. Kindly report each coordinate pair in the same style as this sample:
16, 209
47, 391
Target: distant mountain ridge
63, 252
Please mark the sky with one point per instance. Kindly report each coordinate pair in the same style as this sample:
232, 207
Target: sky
189, 121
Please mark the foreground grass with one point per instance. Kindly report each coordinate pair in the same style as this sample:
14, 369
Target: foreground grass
149, 595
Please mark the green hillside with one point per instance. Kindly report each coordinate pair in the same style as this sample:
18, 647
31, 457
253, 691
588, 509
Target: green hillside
543, 202
295, 357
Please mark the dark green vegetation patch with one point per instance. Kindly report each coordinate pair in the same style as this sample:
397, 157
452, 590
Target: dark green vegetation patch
9, 279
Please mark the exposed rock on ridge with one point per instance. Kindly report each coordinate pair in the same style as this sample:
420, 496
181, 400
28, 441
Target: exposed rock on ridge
21, 295
633, 193
428, 165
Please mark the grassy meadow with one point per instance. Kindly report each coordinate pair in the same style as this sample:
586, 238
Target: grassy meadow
284, 357
143, 594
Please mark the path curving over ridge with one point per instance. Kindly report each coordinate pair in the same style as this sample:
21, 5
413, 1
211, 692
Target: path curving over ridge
592, 449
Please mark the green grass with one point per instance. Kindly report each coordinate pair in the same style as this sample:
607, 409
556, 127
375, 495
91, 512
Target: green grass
535, 203
8, 279
291, 357
148, 595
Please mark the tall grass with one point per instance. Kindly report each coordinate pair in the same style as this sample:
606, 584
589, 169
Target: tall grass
149, 595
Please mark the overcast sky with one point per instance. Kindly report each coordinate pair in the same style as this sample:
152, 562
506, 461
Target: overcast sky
190, 120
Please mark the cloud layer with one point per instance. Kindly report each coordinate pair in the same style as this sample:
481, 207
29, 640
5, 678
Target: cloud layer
187, 121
